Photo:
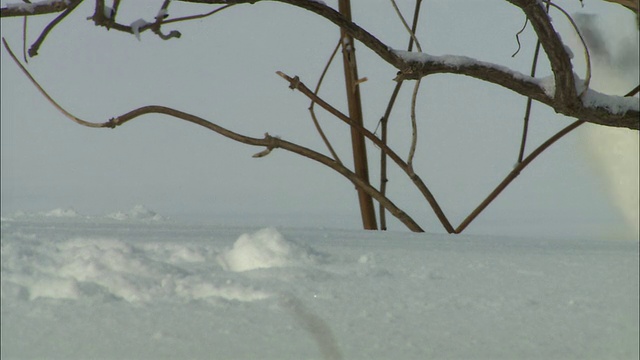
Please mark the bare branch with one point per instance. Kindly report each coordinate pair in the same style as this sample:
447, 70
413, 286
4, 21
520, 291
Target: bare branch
414, 125
33, 51
44, 93
273, 143
268, 141
24, 37
297, 84
514, 174
311, 106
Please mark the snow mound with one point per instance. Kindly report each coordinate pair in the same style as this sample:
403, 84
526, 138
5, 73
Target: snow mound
264, 249
138, 212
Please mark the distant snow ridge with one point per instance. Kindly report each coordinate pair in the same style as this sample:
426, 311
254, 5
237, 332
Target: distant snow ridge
139, 212
264, 249
59, 212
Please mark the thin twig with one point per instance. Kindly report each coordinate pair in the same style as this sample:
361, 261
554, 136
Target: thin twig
33, 51
520, 166
199, 16
383, 156
406, 26
157, 25
24, 39
24, 36
414, 125
43, 92
527, 112
384, 121
311, 106
526, 21
514, 174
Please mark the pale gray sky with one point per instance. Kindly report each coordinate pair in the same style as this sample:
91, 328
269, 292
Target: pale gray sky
223, 69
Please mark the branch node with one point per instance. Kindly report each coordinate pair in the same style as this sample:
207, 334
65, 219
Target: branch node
112, 123
294, 83
273, 142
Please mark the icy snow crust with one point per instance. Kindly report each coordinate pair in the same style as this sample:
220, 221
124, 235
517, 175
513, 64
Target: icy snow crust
79, 288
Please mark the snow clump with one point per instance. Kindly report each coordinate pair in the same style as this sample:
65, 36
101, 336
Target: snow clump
264, 249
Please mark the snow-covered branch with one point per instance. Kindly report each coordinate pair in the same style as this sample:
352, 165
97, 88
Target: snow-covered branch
592, 107
564, 99
37, 8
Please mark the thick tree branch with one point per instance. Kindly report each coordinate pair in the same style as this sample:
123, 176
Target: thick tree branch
36, 8
596, 112
554, 47
564, 99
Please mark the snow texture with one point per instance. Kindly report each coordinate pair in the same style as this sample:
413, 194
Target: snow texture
457, 61
93, 287
614, 104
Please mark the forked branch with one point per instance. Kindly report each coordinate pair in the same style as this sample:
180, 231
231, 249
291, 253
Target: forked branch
295, 83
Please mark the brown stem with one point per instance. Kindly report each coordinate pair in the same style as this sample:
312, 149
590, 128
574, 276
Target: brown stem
311, 106
385, 120
513, 174
527, 111
359, 148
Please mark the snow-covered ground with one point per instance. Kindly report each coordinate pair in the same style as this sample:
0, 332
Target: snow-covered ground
136, 285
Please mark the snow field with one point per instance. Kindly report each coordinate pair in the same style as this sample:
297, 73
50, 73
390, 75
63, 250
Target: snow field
78, 288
